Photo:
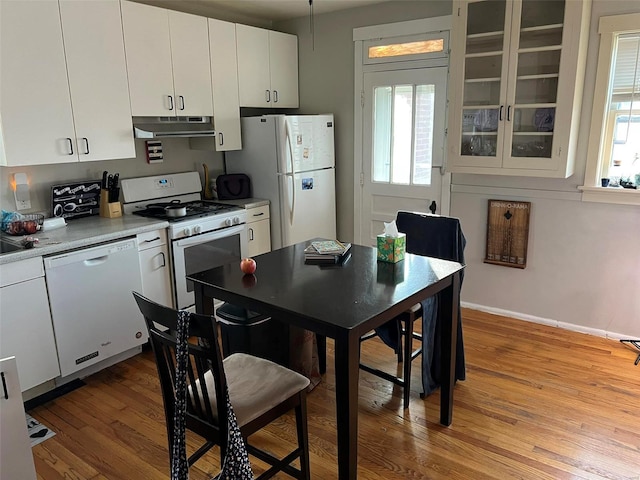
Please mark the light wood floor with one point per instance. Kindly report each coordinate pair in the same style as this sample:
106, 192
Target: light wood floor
538, 403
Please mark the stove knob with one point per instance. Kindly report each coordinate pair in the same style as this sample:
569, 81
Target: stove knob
236, 220
197, 229
187, 231
228, 222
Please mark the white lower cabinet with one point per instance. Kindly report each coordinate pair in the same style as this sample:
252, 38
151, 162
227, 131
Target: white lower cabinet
258, 230
26, 331
155, 267
16, 459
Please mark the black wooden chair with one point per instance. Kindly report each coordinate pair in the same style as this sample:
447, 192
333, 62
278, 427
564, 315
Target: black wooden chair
403, 324
433, 236
260, 391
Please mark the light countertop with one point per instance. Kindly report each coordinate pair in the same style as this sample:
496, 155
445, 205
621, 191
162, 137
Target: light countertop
245, 202
82, 232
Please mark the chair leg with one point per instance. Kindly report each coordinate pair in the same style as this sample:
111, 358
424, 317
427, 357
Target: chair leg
408, 348
321, 341
399, 348
303, 437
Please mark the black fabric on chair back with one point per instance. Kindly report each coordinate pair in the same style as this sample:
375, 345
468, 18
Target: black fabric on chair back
433, 236
440, 237
204, 356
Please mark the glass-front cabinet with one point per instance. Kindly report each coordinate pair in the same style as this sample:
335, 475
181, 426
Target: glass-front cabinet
516, 86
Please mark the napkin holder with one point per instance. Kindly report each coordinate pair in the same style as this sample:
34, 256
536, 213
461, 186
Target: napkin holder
109, 210
391, 249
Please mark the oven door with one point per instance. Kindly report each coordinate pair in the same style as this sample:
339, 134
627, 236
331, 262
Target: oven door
202, 252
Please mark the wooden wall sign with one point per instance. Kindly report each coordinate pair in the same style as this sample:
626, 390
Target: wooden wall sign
507, 233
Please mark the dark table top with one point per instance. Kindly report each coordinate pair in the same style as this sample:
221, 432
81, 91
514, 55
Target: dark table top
328, 299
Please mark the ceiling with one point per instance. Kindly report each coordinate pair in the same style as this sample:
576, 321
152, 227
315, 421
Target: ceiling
263, 11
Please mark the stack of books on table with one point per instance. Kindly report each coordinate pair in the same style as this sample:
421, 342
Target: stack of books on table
327, 252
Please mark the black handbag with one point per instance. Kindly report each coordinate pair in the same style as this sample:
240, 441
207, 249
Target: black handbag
233, 186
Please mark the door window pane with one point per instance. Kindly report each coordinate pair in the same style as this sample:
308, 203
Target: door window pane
403, 123
402, 133
382, 133
425, 106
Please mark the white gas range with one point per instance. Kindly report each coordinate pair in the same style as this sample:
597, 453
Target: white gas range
202, 234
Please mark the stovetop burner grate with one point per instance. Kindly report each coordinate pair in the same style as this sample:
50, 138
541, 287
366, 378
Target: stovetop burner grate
196, 209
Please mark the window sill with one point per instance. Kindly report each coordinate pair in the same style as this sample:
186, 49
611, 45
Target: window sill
621, 196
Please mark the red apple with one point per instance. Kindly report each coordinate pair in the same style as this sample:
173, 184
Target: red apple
30, 226
248, 265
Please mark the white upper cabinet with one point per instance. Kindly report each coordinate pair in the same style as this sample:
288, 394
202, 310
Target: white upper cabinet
516, 77
97, 72
267, 68
167, 60
191, 67
283, 71
39, 125
224, 74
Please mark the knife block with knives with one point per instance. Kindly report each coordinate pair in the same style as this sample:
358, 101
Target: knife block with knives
110, 196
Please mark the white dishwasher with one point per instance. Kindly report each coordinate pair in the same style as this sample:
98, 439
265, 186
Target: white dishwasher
94, 313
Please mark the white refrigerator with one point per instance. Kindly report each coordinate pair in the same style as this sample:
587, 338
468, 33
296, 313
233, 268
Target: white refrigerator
291, 162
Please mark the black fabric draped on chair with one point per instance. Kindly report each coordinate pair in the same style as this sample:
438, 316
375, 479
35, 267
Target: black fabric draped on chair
433, 236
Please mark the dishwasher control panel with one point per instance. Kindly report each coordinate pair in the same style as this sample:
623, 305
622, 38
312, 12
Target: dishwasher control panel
122, 247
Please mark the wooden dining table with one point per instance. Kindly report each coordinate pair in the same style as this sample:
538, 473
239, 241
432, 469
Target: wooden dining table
342, 302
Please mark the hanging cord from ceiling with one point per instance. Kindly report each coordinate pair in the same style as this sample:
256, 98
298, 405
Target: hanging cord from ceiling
311, 26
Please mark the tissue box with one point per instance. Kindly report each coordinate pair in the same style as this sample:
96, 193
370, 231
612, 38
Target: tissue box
391, 249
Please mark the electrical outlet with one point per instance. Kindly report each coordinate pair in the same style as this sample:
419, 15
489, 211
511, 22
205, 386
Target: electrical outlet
22, 204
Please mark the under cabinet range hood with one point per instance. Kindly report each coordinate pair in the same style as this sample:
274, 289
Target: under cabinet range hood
168, 127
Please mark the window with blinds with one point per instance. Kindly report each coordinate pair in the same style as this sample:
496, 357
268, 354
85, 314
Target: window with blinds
612, 173
621, 160
626, 79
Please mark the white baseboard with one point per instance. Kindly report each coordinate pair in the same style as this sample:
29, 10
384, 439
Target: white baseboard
545, 321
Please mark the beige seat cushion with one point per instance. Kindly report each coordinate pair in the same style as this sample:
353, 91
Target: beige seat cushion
255, 385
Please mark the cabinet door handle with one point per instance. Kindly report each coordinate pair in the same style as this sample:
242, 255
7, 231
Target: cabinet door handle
509, 113
181, 102
4, 387
501, 110
275, 96
251, 234
170, 102
151, 240
268, 95
164, 260
70, 146
220, 139
258, 214
86, 145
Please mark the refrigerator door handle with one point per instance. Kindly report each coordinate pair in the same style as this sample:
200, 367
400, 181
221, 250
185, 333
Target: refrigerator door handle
293, 177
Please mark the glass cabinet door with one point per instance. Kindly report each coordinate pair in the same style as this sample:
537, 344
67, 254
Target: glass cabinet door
533, 80
485, 61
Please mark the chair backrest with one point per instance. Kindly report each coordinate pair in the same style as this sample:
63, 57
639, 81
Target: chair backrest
432, 235
204, 357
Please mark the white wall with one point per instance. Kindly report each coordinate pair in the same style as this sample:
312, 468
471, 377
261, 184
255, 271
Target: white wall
583, 268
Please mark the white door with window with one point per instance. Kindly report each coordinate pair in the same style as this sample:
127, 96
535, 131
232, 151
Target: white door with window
403, 143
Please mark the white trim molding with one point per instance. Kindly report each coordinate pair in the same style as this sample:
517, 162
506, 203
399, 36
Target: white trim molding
608, 28
399, 29
597, 332
373, 32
